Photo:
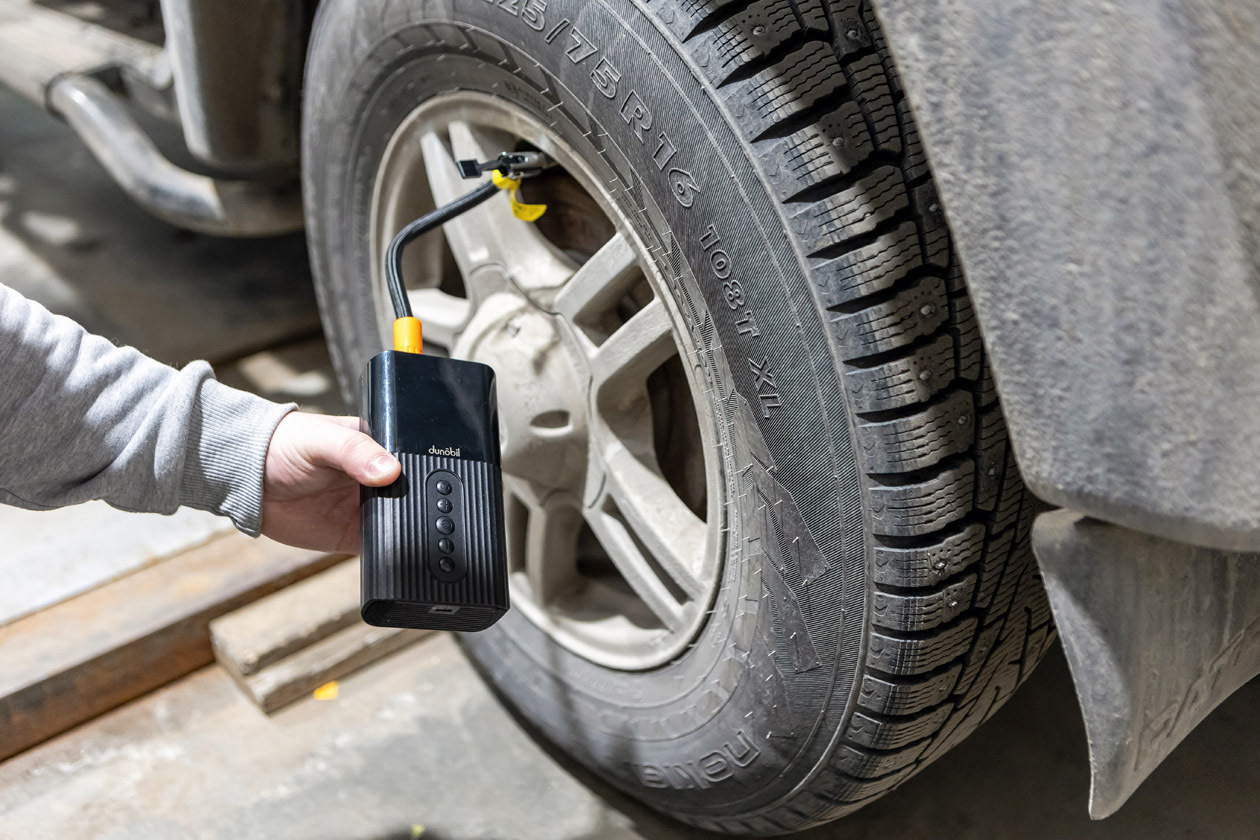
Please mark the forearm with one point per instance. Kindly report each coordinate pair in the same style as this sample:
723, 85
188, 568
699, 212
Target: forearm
83, 419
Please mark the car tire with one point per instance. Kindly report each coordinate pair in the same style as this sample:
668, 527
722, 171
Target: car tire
875, 598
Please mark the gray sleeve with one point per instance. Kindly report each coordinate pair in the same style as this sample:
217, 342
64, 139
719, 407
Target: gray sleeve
82, 419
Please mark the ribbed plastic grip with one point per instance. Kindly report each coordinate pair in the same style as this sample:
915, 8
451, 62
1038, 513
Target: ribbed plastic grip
402, 583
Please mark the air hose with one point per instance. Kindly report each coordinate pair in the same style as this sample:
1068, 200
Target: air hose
507, 171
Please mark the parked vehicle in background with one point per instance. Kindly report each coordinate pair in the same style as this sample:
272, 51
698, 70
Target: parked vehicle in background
776, 465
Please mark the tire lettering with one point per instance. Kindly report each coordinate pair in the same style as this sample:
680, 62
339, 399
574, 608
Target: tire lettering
605, 77
748, 325
763, 383
711, 768
665, 151
532, 14
636, 115
555, 32
582, 48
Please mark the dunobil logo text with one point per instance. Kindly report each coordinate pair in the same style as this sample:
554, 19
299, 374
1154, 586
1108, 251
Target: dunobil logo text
452, 451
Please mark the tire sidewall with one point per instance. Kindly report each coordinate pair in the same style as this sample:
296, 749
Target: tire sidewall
752, 708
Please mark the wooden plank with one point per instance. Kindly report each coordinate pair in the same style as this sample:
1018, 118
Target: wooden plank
332, 658
81, 657
249, 639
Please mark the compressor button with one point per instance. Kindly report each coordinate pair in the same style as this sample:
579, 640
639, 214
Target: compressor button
444, 487
444, 525
446, 546
444, 505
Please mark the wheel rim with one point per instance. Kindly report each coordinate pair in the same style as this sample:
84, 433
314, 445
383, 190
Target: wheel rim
612, 480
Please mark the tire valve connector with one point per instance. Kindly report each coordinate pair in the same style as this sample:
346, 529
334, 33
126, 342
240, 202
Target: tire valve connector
433, 542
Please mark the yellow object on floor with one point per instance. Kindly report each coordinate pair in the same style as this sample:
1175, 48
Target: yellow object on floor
327, 691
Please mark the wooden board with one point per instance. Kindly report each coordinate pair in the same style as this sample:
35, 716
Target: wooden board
282, 647
81, 657
249, 639
332, 658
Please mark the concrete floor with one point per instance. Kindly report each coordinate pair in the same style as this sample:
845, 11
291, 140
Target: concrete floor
417, 739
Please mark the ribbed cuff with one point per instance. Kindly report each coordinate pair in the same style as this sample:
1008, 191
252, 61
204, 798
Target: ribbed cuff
226, 451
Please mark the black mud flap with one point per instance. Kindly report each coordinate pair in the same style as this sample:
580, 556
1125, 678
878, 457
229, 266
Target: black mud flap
1157, 634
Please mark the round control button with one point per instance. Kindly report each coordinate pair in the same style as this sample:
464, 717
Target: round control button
445, 525
445, 545
446, 564
444, 505
443, 487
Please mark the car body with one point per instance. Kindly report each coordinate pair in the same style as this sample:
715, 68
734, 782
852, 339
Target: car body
1099, 166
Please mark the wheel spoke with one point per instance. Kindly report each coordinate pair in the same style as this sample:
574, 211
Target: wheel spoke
637, 569
550, 549
444, 316
638, 348
488, 234
660, 520
600, 281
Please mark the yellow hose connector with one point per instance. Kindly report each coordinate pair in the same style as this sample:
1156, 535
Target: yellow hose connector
408, 335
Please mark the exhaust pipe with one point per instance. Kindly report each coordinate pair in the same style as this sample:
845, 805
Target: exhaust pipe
185, 199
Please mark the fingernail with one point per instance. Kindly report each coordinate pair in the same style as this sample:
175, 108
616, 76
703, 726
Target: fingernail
381, 466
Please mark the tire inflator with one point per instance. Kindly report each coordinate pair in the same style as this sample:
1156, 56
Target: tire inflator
433, 542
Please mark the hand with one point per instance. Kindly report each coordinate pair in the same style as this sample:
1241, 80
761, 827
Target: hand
315, 464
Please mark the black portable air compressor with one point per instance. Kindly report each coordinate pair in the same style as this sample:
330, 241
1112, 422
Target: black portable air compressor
433, 541
433, 551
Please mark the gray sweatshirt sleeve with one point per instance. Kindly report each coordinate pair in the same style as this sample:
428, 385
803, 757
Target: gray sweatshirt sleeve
82, 419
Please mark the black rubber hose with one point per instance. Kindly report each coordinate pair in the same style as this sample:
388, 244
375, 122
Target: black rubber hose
421, 226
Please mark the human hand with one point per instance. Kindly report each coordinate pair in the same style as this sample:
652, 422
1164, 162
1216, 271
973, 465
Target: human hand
315, 464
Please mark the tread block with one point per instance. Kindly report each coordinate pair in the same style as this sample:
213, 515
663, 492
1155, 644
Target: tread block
986, 391
850, 30
914, 164
894, 733
860, 209
922, 612
990, 457
752, 34
893, 323
918, 655
931, 215
849, 791
902, 382
906, 510
995, 556
1035, 644
926, 566
868, 80
829, 148
871, 268
1039, 608
920, 440
1011, 500
865, 764
975, 660
786, 90
691, 16
969, 347
907, 697
1015, 578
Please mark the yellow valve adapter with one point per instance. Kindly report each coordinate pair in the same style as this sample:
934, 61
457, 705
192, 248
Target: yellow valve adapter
524, 212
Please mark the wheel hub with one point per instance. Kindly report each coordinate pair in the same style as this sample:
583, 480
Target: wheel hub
612, 483
541, 386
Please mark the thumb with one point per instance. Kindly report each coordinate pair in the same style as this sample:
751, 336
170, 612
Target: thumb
355, 454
